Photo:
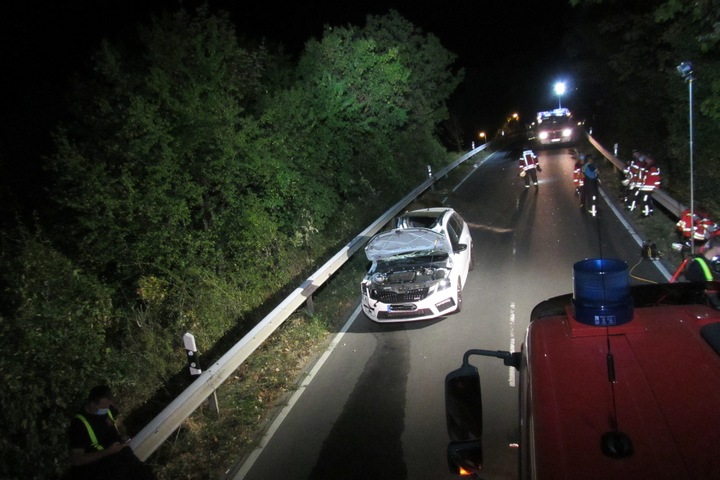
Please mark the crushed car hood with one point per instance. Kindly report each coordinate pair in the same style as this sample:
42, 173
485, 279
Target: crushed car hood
403, 241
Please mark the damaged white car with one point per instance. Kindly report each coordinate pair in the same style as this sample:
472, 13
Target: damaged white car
418, 269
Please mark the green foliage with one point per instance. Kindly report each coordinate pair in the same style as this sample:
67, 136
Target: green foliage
358, 93
152, 178
363, 95
432, 80
53, 335
195, 179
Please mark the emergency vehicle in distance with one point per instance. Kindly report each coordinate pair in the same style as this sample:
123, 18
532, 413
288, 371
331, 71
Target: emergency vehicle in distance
616, 382
555, 127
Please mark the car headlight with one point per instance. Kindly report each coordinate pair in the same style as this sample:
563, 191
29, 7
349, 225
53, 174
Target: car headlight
443, 284
567, 132
543, 135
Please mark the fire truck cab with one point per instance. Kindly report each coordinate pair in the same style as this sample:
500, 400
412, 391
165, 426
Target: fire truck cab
615, 382
555, 127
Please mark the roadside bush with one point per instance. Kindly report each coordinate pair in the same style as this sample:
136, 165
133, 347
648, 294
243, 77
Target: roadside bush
52, 332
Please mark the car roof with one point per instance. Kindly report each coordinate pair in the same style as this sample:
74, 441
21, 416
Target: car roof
665, 398
430, 212
426, 217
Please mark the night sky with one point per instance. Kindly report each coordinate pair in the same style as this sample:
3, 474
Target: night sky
510, 50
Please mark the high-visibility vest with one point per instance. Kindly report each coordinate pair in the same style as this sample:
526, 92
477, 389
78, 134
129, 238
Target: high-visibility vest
705, 268
91, 432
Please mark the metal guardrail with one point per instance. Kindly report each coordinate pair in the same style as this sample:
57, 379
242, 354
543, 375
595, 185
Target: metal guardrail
171, 417
669, 203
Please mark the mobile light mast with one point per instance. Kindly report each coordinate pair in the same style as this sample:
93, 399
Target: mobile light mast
685, 70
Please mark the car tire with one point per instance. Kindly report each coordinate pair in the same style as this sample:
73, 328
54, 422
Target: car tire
459, 297
471, 267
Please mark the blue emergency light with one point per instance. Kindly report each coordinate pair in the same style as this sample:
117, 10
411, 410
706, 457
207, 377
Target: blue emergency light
601, 292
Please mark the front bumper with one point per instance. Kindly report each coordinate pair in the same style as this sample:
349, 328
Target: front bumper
436, 305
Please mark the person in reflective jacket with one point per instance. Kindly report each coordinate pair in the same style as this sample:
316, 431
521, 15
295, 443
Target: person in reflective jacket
99, 447
651, 179
633, 172
705, 268
529, 166
590, 190
578, 178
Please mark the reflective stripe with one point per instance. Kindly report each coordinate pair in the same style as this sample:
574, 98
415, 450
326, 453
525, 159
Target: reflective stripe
705, 267
91, 433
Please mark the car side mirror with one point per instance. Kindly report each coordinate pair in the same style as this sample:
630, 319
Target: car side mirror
460, 248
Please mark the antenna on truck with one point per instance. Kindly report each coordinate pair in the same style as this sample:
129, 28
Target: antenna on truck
602, 298
614, 443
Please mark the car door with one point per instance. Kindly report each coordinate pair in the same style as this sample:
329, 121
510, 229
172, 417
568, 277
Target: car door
459, 234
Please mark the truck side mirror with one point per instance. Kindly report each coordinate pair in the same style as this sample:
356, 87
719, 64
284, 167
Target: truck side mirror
463, 411
463, 403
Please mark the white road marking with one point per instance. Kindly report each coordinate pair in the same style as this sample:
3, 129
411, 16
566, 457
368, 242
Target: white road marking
250, 460
511, 370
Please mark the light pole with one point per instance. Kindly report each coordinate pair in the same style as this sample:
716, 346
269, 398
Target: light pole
686, 72
560, 91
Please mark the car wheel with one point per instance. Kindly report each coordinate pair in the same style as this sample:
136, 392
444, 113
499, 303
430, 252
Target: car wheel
471, 267
459, 297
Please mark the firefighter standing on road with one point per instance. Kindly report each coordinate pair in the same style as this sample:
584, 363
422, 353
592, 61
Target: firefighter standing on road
634, 179
529, 167
651, 179
578, 177
590, 190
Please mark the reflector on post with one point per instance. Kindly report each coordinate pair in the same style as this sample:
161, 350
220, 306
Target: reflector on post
192, 354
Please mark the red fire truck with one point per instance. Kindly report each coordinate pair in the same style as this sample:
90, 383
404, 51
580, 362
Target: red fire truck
616, 382
555, 126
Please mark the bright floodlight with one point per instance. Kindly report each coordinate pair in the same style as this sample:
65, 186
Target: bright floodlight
685, 70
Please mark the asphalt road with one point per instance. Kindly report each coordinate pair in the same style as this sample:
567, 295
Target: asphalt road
373, 407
